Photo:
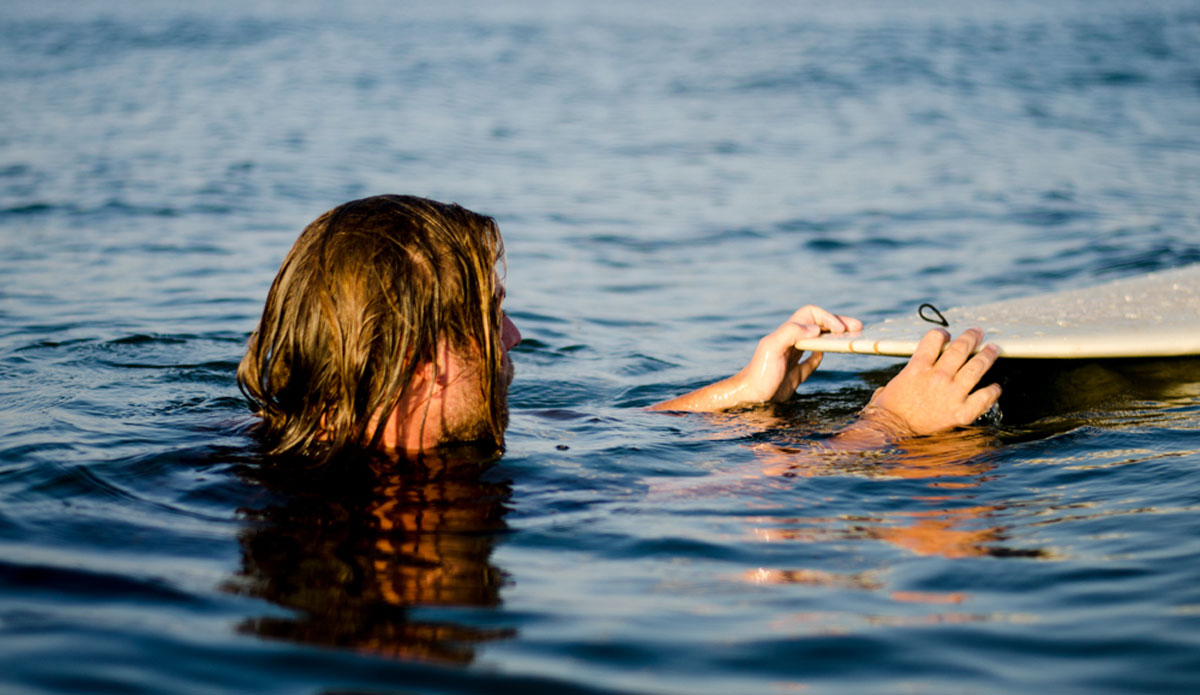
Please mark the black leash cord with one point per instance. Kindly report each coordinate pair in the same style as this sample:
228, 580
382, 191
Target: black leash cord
939, 320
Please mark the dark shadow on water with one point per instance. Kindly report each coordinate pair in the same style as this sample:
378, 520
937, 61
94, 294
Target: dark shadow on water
356, 550
1103, 393
1081, 390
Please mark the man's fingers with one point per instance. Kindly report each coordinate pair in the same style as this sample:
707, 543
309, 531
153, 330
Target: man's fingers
981, 401
929, 348
785, 336
852, 324
826, 321
809, 365
790, 332
977, 366
808, 330
959, 351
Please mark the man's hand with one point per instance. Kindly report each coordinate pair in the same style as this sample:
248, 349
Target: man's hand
774, 371
936, 390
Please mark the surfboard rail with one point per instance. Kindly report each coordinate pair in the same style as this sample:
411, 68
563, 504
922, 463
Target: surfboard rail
1151, 315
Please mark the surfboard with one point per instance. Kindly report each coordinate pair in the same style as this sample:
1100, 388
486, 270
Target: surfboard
1152, 315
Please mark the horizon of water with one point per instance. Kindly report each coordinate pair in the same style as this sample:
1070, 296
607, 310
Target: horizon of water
672, 180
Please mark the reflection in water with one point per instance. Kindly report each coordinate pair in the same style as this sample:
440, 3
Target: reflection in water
944, 532
950, 526
958, 454
357, 549
1041, 398
945, 523
949, 520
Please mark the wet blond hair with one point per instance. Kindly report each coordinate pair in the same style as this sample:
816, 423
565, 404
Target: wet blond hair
358, 306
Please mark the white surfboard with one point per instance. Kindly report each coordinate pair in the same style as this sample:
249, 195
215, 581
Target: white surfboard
1154, 315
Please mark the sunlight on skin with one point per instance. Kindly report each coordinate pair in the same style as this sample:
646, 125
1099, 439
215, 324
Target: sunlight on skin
774, 371
934, 392
893, 438
446, 402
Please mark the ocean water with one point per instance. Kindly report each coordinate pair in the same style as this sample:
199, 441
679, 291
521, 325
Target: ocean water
672, 180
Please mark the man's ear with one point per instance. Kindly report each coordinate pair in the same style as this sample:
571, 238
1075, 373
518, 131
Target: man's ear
422, 377
398, 423
440, 376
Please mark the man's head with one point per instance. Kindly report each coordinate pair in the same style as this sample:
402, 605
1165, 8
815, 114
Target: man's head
383, 328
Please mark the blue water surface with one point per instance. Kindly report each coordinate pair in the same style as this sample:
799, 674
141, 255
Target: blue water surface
672, 181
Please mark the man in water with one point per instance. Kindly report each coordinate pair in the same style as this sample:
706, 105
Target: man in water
384, 329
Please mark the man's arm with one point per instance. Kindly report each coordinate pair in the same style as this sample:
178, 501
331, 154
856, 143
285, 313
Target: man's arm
936, 390
775, 370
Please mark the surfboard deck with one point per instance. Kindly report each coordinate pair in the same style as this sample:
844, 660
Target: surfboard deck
1152, 315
